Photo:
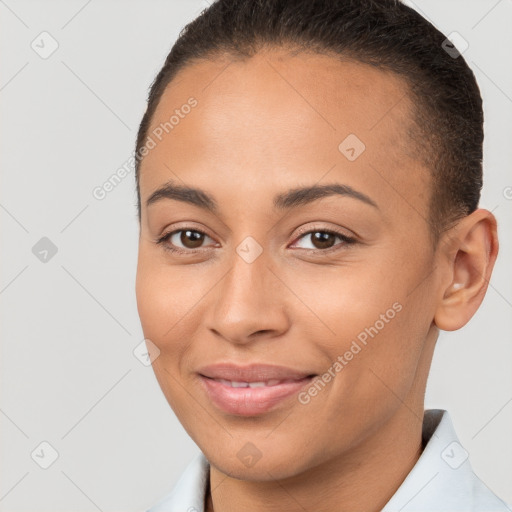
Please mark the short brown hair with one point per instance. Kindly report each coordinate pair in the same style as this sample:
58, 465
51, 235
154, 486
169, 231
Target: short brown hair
448, 118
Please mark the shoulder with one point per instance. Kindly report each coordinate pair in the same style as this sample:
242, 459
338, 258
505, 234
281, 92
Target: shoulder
188, 493
443, 479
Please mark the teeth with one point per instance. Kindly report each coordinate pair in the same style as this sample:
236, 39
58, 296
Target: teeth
261, 384
235, 384
256, 384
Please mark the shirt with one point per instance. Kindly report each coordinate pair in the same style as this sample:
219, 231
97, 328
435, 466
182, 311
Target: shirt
442, 479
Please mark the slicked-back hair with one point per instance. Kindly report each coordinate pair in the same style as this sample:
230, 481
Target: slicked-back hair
446, 129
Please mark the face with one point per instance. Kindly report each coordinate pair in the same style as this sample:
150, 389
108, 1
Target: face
337, 282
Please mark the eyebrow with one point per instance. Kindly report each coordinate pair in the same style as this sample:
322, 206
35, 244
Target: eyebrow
291, 199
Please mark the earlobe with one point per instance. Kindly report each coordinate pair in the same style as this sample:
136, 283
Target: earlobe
473, 247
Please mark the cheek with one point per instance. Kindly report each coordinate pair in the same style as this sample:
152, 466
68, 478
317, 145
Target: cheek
164, 295
340, 302
151, 298
368, 315
170, 299
392, 334
162, 306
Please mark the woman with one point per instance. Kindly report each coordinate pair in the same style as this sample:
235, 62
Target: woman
308, 178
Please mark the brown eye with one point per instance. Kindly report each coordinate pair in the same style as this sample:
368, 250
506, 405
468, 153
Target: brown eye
322, 239
190, 239
183, 241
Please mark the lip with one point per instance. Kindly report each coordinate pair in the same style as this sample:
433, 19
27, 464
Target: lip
251, 373
251, 401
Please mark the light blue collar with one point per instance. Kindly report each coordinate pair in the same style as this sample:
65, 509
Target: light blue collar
442, 479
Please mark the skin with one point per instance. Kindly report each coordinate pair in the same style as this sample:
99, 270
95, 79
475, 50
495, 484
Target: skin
263, 126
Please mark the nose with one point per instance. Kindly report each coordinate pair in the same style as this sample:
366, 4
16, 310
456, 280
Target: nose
249, 302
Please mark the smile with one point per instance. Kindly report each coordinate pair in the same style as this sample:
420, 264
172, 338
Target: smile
260, 384
251, 398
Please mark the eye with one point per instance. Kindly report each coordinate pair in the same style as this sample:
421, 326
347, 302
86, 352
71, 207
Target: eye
183, 240
324, 240
187, 241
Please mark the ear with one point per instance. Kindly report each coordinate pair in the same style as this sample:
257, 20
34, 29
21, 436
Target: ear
472, 248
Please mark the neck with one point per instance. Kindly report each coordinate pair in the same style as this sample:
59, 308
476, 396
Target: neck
364, 479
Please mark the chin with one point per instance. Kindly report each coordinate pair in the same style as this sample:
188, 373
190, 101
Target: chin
249, 463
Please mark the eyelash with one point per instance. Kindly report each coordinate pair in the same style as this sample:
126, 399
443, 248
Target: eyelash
177, 250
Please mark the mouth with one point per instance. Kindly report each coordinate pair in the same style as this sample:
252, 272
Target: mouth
257, 384
256, 393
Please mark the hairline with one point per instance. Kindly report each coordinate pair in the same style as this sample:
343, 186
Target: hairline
414, 130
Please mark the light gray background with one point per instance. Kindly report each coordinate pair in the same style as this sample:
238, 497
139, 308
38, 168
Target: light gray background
69, 326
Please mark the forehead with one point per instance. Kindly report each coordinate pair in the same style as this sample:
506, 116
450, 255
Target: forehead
277, 118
